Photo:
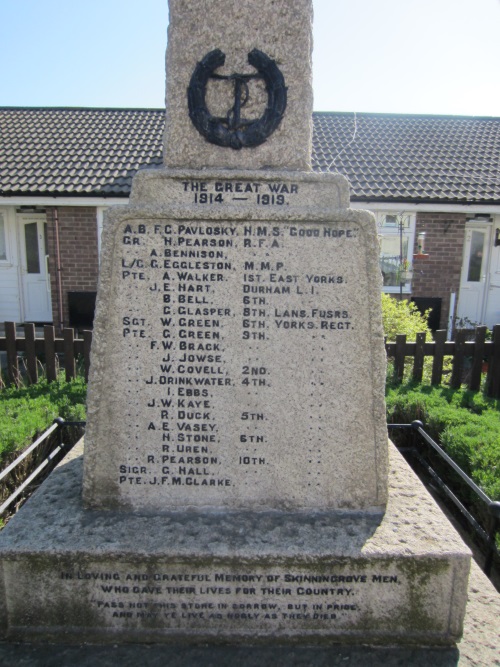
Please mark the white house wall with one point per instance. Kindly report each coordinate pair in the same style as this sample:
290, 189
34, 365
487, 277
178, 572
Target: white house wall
11, 300
10, 292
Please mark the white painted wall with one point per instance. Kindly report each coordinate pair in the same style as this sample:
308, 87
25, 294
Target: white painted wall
10, 294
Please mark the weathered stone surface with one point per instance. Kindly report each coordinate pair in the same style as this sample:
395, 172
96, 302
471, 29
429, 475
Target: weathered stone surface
481, 636
236, 424
238, 353
279, 28
306, 195
130, 577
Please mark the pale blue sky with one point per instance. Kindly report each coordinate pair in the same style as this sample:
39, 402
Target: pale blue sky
402, 56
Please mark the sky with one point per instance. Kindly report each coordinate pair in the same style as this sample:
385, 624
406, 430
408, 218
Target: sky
387, 56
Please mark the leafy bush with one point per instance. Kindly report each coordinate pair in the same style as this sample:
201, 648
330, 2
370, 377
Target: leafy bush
26, 412
467, 424
402, 317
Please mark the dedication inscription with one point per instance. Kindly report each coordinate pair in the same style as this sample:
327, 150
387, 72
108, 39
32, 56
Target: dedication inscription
168, 596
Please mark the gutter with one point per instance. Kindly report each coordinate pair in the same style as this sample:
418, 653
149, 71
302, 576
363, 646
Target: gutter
434, 207
426, 200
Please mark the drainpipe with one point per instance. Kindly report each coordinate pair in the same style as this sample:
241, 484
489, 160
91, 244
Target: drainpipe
58, 270
451, 315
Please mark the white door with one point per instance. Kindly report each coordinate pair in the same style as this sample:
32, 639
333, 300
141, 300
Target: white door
492, 310
35, 278
471, 300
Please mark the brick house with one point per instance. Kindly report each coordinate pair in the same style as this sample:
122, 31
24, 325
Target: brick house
432, 181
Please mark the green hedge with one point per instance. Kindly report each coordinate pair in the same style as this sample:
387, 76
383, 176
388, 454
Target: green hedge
26, 412
467, 424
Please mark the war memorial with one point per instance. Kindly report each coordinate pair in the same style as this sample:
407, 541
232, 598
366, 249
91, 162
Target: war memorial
237, 484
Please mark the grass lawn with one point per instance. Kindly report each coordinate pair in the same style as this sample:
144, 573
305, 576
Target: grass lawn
467, 424
26, 412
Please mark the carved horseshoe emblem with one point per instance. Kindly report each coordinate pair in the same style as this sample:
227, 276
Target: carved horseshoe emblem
233, 130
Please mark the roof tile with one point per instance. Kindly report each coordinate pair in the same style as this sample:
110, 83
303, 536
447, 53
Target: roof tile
385, 156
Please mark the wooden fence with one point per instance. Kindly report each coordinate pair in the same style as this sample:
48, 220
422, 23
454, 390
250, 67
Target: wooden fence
49, 350
470, 358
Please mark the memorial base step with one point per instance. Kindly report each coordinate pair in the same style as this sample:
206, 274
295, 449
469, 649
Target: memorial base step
71, 574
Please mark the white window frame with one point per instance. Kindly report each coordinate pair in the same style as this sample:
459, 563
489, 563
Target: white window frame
5, 213
388, 230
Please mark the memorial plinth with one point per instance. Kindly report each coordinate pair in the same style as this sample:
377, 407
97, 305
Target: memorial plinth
82, 575
235, 481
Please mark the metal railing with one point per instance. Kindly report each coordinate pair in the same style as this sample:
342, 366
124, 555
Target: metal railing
489, 508
52, 447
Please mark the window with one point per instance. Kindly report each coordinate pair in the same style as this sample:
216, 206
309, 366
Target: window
396, 234
476, 257
32, 248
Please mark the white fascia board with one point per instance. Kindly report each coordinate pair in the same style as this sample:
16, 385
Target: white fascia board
63, 201
370, 206
428, 208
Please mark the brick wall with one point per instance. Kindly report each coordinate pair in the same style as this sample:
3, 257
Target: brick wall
436, 276
78, 251
439, 274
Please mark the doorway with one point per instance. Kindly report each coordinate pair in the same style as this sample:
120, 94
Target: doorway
492, 288
479, 297
35, 278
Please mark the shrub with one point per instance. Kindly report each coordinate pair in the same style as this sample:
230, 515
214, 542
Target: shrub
402, 317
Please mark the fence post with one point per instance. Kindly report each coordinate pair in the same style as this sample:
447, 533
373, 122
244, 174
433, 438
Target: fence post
12, 359
458, 358
49, 336
494, 528
418, 363
437, 364
399, 357
493, 381
69, 354
87, 342
477, 362
29, 348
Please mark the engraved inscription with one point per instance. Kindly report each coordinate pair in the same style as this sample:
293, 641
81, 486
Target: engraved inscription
242, 192
173, 597
229, 316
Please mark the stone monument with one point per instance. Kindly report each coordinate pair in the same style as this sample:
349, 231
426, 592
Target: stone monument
235, 481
